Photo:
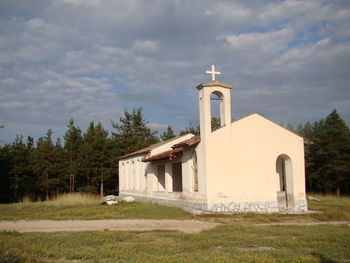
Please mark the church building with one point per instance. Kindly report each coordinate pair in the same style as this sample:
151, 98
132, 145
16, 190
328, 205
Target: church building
248, 165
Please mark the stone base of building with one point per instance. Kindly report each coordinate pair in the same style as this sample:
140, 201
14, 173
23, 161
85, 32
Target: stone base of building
300, 205
223, 207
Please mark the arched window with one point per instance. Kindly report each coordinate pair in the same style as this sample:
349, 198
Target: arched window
217, 108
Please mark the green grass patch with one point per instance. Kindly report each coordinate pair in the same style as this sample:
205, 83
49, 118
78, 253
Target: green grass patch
238, 242
332, 208
87, 207
43, 210
227, 243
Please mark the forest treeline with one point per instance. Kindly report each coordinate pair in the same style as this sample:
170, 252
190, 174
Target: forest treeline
87, 161
83, 162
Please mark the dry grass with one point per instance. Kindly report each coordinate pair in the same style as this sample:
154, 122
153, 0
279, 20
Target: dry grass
69, 199
74, 199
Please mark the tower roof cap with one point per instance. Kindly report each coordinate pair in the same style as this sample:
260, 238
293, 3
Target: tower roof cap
214, 83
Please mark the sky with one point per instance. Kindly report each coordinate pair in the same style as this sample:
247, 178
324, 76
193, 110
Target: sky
91, 59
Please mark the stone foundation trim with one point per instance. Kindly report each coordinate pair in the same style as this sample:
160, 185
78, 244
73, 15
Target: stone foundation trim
244, 207
300, 205
192, 205
223, 207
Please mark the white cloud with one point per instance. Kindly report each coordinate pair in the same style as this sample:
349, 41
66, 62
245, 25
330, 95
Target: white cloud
91, 59
271, 42
81, 2
145, 45
157, 126
230, 12
286, 10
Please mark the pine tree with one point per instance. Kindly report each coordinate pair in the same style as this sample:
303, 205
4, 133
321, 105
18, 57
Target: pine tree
6, 195
102, 168
60, 167
191, 129
307, 132
330, 155
20, 168
18, 171
132, 132
72, 143
168, 134
291, 128
98, 157
215, 123
46, 165
85, 159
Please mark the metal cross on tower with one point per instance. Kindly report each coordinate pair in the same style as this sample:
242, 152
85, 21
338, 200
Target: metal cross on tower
213, 72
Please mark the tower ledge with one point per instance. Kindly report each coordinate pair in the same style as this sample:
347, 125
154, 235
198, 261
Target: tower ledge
214, 83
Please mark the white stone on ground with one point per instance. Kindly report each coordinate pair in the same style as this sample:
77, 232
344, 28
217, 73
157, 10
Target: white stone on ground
312, 198
128, 199
110, 200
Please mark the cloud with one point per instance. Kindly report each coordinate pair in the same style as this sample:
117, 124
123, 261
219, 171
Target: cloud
145, 45
288, 60
287, 10
269, 42
80, 2
157, 126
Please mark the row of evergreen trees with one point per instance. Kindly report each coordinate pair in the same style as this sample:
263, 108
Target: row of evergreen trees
87, 162
328, 155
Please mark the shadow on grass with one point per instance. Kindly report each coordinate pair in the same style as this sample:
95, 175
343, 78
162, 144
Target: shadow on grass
13, 257
324, 259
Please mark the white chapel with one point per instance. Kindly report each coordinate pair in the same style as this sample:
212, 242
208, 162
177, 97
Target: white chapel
249, 165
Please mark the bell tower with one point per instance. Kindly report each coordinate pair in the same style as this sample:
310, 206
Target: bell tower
222, 92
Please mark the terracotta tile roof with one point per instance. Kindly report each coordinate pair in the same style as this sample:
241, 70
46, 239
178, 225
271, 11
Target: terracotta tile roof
187, 143
149, 148
139, 152
174, 153
168, 155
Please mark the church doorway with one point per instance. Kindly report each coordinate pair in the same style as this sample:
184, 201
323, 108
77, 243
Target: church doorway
177, 177
285, 175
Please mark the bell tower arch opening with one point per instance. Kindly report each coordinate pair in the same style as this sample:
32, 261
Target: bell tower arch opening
214, 101
217, 110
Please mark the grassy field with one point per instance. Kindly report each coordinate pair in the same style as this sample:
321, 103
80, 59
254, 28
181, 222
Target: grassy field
88, 207
227, 243
238, 240
78, 206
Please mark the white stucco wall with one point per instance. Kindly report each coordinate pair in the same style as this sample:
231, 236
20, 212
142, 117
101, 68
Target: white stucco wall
132, 171
241, 161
